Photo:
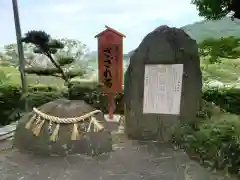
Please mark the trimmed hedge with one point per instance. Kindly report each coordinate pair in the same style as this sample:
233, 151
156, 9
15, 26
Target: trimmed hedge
11, 107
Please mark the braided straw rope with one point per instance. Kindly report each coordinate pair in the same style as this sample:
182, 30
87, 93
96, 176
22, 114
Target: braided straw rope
65, 120
40, 118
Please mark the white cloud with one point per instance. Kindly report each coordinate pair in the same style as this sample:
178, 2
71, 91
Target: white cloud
66, 8
83, 19
126, 13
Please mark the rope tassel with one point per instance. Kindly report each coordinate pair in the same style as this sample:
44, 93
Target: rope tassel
97, 125
54, 136
89, 126
75, 132
30, 122
36, 130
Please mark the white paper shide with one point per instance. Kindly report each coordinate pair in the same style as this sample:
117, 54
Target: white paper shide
162, 89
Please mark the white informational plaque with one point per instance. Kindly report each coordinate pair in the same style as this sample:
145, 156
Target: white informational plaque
162, 89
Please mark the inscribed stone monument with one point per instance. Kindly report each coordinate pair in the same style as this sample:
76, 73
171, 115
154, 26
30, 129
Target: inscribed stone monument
162, 89
171, 58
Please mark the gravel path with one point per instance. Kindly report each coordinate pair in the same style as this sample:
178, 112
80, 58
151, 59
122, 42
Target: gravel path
131, 160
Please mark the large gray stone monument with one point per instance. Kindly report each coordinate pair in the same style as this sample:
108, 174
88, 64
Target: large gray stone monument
163, 46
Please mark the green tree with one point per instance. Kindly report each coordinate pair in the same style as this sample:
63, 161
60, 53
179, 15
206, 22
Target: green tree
72, 48
75, 49
225, 47
217, 9
47, 46
11, 53
3, 60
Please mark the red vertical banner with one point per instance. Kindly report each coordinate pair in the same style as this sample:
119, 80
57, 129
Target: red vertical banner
110, 64
110, 69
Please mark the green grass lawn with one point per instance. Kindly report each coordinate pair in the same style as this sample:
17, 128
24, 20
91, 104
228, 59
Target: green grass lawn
14, 77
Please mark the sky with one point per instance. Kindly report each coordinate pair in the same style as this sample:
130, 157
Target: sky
83, 19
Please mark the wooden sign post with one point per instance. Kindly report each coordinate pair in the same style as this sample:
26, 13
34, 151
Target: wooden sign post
110, 64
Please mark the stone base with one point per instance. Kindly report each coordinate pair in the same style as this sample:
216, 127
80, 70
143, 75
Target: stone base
92, 143
112, 125
116, 118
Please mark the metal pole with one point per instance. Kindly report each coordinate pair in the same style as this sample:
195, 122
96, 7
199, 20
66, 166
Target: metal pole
20, 50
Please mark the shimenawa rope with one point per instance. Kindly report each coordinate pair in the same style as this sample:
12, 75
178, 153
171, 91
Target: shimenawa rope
40, 117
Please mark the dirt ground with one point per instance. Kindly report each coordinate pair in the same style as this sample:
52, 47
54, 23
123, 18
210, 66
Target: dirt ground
130, 160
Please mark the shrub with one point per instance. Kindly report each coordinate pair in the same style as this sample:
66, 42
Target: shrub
91, 94
226, 98
42, 88
11, 105
3, 77
216, 142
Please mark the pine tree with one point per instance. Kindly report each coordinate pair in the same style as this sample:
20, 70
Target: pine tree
47, 46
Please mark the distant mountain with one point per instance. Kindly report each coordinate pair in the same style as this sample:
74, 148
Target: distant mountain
213, 29
210, 29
